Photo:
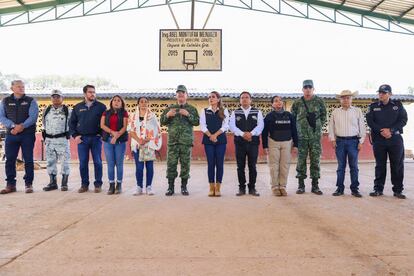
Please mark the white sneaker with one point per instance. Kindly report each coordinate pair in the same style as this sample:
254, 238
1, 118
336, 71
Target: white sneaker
138, 191
150, 191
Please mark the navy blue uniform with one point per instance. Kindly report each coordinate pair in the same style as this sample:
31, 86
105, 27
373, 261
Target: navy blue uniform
393, 116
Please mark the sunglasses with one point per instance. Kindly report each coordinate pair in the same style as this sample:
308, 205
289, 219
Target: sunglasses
308, 87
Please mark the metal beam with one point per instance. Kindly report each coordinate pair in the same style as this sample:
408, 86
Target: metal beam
377, 5
338, 6
407, 11
307, 9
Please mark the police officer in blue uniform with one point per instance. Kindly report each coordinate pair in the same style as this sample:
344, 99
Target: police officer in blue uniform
386, 118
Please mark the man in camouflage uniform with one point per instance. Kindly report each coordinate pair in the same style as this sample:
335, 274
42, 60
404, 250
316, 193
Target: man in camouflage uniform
310, 114
180, 119
56, 136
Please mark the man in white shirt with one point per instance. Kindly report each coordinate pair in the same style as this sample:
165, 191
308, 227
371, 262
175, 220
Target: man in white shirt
347, 133
247, 125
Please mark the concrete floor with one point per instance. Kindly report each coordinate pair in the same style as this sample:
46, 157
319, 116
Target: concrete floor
66, 233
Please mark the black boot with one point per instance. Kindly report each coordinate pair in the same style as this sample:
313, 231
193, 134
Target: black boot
111, 189
184, 190
118, 188
170, 190
301, 186
52, 184
338, 192
65, 178
315, 187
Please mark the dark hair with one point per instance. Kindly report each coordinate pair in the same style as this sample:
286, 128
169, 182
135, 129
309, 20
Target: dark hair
142, 97
276, 96
219, 105
122, 101
85, 88
245, 92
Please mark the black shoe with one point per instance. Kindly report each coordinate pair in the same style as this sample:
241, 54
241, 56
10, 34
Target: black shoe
253, 192
375, 193
65, 178
301, 186
184, 190
356, 194
338, 192
241, 192
315, 187
118, 188
52, 184
111, 189
400, 196
170, 190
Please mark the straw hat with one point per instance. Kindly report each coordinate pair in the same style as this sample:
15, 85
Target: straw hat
345, 93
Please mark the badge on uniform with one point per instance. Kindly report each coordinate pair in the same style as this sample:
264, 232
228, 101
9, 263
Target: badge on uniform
377, 109
238, 118
395, 108
254, 117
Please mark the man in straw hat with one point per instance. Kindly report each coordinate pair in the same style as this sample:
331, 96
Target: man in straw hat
347, 133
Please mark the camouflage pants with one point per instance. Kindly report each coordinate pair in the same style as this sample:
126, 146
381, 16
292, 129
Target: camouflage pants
177, 153
54, 152
311, 147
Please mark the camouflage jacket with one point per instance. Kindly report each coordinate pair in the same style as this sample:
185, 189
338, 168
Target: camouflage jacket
180, 128
55, 122
298, 110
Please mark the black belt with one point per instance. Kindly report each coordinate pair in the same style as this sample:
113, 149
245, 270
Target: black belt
64, 134
347, 137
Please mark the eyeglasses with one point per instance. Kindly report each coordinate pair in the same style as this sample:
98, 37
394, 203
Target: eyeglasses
308, 87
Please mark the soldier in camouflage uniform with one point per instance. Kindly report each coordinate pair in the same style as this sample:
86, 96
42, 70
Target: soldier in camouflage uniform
180, 119
56, 136
310, 114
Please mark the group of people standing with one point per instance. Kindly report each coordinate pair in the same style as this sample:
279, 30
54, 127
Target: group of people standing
91, 123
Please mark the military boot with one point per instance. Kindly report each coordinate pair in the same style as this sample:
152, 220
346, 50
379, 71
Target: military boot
184, 190
52, 184
301, 186
65, 178
315, 187
170, 190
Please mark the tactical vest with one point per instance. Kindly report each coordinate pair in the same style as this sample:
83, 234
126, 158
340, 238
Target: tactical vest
214, 123
17, 110
246, 124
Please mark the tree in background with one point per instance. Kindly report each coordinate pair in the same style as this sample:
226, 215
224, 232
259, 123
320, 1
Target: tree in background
54, 81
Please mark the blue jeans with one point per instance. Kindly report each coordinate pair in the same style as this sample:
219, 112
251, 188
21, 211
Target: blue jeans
139, 170
215, 160
114, 155
91, 144
347, 149
13, 144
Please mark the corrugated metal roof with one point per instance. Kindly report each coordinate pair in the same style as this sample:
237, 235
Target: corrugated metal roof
169, 93
397, 10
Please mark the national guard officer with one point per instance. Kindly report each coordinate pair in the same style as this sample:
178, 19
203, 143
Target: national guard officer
56, 136
310, 114
386, 118
180, 119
